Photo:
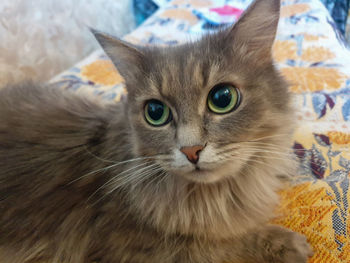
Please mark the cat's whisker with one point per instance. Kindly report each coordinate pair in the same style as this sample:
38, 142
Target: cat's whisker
91, 173
271, 157
259, 154
263, 144
256, 139
260, 146
256, 154
244, 161
128, 172
165, 176
291, 155
97, 157
137, 178
112, 166
121, 185
260, 150
276, 158
114, 178
129, 175
139, 174
268, 148
268, 137
249, 159
228, 150
155, 178
239, 147
250, 149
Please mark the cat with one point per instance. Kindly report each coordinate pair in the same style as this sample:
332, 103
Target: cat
185, 170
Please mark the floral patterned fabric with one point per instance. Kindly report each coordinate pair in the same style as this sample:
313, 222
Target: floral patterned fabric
337, 8
311, 55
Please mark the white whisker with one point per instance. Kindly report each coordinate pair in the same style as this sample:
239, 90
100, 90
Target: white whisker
112, 166
249, 159
268, 137
135, 175
113, 178
97, 157
139, 174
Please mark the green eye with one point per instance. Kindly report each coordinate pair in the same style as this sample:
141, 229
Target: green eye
157, 113
223, 98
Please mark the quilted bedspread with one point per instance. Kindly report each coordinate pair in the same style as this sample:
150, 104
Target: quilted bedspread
311, 55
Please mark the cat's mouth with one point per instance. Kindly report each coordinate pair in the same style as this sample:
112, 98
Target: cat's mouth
208, 168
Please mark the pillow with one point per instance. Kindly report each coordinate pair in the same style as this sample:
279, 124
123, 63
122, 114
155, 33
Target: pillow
312, 57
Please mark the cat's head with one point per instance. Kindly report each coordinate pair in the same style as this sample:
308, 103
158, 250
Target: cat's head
206, 109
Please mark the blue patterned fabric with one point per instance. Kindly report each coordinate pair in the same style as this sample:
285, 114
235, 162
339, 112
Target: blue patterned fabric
143, 9
339, 10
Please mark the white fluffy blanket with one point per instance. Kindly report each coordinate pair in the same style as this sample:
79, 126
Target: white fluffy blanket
40, 38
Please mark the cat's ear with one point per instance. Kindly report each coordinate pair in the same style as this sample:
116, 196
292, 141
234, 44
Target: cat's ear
126, 57
254, 33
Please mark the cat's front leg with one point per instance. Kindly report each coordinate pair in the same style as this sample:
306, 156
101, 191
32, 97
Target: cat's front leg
275, 244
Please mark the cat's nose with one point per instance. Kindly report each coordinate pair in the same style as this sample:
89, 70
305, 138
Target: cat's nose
192, 152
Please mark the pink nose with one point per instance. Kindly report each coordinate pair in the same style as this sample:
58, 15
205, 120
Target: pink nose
192, 152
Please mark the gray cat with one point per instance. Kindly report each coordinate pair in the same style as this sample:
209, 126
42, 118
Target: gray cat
185, 171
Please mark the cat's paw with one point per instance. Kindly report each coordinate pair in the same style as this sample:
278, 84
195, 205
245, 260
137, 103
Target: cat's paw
281, 245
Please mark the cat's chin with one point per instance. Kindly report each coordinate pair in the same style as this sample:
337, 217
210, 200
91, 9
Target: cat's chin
210, 174
203, 176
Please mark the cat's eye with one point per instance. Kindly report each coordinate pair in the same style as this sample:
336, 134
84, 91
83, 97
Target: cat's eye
223, 98
157, 113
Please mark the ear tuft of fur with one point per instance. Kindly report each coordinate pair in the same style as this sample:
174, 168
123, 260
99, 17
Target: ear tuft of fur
126, 57
256, 30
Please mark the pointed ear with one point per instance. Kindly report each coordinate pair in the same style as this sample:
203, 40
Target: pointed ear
255, 32
126, 57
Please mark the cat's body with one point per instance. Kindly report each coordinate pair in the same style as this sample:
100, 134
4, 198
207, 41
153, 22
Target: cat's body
84, 181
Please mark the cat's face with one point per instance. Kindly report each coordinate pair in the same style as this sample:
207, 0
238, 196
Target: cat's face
204, 109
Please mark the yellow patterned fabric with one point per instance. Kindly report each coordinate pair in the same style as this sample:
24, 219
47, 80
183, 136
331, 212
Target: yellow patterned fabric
311, 55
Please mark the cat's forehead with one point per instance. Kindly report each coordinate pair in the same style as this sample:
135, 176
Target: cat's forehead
179, 77
187, 71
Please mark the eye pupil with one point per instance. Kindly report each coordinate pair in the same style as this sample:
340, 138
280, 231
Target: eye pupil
155, 110
222, 97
